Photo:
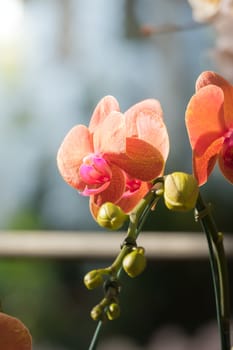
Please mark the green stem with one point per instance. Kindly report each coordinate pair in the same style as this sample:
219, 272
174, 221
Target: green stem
139, 214
219, 271
95, 337
137, 219
116, 265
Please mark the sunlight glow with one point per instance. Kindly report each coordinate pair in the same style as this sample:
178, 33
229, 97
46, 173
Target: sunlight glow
11, 16
11, 25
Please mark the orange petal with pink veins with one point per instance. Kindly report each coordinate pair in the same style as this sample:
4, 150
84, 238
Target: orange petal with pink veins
144, 120
141, 161
13, 334
128, 203
106, 105
205, 118
112, 194
226, 170
109, 137
204, 164
207, 78
76, 145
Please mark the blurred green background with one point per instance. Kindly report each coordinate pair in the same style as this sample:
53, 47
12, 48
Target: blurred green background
58, 59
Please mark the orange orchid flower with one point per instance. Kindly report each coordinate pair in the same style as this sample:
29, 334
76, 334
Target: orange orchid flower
209, 121
117, 156
13, 334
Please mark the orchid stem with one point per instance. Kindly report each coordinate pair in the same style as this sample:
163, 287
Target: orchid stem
141, 211
219, 271
95, 337
137, 219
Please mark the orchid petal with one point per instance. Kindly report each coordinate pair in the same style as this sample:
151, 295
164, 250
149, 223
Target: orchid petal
144, 120
106, 105
13, 334
141, 161
112, 194
207, 78
204, 164
205, 118
76, 145
109, 137
147, 107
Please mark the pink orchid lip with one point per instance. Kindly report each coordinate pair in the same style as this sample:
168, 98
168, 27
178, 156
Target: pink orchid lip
95, 173
227, 150
89, 191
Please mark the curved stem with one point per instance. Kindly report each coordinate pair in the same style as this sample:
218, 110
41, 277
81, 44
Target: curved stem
219, 271
137, 219
116, 265
141, 211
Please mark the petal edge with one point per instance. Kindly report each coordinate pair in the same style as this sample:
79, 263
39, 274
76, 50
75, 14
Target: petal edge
204, 118
105, 106
203, 166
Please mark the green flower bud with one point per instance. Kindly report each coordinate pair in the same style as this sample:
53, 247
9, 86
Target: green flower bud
111, 216
135, 262
113, 311
180, 191
96, 313
93, 279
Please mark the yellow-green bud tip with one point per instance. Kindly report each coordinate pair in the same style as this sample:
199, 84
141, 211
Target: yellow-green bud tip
113, 311
96, 313
180, 191
135, 262
93, 279
111, 216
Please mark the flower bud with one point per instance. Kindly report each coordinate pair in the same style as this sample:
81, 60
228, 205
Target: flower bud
96, 313
135, 262
180, 191
93, 279
113, 311
111, 216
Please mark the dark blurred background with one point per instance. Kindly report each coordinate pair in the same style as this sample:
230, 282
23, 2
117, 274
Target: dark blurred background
58, 58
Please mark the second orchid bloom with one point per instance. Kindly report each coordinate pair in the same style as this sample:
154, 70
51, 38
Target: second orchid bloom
209, 121
118, 155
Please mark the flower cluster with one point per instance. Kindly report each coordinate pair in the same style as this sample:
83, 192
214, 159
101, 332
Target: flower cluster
118, 155
116, 158
118, 161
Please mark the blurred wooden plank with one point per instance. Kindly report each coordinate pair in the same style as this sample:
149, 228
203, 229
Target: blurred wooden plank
103, 245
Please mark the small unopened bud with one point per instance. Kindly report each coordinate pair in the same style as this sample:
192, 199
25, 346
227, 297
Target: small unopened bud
180, 191
113, 311
111, 216
96, 313
135, 262
93, 279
